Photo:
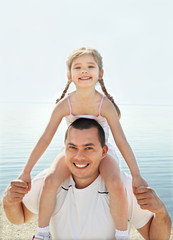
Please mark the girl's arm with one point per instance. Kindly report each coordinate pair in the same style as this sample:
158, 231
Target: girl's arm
58, 113
109, 112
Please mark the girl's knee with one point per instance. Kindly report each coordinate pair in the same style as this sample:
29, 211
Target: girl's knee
50, 181
115, 184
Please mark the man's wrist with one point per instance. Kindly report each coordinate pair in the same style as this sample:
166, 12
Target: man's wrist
6, 200
161, 213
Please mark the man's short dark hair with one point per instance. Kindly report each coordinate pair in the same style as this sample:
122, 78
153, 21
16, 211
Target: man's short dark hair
86, 123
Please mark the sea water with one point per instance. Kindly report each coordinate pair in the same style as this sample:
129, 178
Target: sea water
148, 129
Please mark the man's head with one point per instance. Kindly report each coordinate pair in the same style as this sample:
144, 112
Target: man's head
85, 148
85, 123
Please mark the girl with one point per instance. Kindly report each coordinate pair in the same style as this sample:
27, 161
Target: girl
85, 70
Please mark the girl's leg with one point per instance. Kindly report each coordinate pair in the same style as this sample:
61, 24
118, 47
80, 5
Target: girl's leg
56, 175
110, 172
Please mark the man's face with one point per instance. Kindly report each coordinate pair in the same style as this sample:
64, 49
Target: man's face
83, 155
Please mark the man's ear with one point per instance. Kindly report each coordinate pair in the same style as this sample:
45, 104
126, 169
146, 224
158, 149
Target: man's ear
105, 150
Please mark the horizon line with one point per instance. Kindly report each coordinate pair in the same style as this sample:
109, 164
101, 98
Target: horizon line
123, 104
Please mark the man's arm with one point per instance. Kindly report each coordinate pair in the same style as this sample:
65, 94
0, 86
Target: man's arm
159, 226
15, 210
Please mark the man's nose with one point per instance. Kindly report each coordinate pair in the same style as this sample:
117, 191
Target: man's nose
79, 155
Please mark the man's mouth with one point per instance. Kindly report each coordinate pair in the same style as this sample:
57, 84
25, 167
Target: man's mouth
81, 165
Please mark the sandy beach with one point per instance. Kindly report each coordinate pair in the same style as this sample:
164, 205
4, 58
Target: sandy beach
9, 231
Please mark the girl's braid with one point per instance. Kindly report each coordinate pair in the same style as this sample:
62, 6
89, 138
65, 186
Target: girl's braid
109, 96
64, 92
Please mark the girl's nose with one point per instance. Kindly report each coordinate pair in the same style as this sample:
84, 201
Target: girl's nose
84, 71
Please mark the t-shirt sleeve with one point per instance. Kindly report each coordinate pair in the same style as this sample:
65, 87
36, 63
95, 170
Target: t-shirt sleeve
137, 216
31, 200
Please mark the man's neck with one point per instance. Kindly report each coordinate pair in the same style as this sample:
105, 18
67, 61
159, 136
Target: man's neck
84, 182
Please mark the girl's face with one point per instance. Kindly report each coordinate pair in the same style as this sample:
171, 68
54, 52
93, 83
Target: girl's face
85, 71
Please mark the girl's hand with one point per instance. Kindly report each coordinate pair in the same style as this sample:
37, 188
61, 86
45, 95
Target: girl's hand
26, 177
138, 181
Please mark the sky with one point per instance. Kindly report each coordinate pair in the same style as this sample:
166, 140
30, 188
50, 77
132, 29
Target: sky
135, 39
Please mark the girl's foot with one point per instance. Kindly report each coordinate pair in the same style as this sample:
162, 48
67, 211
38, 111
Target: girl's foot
38, 237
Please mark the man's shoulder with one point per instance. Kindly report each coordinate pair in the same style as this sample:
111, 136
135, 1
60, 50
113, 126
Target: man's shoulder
126, 178
69, 182
41, 175
31, 200
39, 178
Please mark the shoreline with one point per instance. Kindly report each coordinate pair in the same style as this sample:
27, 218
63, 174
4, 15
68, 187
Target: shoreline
26, 231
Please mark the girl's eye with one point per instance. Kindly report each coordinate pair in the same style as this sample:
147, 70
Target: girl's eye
90, 66
77, 67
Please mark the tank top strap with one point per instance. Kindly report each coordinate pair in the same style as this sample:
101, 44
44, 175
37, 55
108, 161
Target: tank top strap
68, 100
100, 106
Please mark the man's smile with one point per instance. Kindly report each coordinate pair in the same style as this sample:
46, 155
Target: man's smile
81, 165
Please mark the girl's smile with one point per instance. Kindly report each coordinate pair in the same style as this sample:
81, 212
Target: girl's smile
84, 71
85, 78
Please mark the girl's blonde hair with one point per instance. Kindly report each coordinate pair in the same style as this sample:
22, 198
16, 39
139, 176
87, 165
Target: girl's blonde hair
81, 51
98, 58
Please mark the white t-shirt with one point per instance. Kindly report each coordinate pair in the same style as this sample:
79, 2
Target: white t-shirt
85, 213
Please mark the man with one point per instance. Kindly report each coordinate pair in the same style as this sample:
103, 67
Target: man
82, 209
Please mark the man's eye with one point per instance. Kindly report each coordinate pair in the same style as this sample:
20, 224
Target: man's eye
89, 148
72, 148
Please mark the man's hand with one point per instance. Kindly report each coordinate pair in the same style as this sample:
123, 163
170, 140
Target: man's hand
148, 199
159, 226
15, 192
12, 202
